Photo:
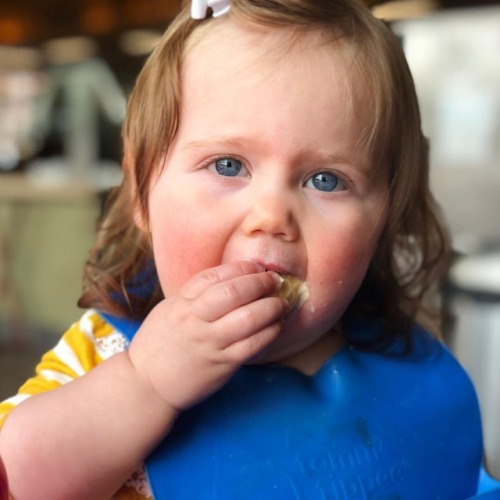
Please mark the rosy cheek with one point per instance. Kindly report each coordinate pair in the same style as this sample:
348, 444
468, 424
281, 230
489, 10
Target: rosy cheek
339, 279
179, 256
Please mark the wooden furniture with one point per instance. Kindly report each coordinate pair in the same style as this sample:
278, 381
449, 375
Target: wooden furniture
46, 229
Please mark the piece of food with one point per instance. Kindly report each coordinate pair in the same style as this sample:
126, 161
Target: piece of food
294, 290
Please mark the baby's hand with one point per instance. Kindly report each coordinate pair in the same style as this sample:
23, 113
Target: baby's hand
191, 343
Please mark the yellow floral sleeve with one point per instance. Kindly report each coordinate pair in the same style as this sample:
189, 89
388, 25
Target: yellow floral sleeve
83, 346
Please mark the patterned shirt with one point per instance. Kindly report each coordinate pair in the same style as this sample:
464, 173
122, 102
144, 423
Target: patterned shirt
87, 343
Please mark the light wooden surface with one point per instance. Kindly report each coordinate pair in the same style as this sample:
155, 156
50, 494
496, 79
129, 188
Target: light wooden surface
46, 231
18, 187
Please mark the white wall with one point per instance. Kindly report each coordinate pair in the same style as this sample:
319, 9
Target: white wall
455, 60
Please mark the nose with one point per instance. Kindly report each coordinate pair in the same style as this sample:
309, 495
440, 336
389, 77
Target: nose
272, 214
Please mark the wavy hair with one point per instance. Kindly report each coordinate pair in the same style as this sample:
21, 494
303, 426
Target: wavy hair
411, 260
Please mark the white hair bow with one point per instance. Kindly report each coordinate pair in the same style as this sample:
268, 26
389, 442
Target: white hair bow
199, 8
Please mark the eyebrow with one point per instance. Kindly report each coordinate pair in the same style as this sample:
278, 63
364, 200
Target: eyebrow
217, 141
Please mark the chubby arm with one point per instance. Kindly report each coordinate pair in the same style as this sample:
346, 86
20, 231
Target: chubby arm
84, 439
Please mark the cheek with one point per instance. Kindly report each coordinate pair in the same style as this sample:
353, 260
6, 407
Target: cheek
180, 249
180, 253
350, 262
341, 279
340, 269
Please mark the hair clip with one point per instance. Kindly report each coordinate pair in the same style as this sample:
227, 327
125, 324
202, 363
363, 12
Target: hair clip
199, 8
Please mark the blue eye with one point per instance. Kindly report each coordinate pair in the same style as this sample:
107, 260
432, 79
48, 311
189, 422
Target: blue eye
325, 181
229, 167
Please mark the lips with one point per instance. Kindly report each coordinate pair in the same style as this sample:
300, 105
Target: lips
283, 269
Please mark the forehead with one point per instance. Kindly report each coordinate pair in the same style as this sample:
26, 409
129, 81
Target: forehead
273, 91
254, 45
232, 53
251, 38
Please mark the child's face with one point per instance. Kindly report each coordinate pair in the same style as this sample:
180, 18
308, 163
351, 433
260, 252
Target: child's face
267, 166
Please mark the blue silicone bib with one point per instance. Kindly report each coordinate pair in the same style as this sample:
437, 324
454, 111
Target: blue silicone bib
366, 426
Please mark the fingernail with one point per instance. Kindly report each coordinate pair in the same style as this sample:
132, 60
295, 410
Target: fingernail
278, 279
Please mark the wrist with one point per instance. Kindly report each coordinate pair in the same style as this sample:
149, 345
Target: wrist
145, 386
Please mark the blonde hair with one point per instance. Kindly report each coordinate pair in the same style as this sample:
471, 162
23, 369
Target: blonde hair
411, 258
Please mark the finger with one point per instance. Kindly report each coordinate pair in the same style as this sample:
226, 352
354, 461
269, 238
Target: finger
249, 320
252, 348
225, 297
209, 277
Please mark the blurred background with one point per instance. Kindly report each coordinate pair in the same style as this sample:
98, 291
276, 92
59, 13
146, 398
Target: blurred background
66, 69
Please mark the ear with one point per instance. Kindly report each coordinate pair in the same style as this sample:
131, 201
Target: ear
130, 183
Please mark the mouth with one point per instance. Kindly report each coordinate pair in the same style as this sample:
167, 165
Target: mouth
277, 269
293, 289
